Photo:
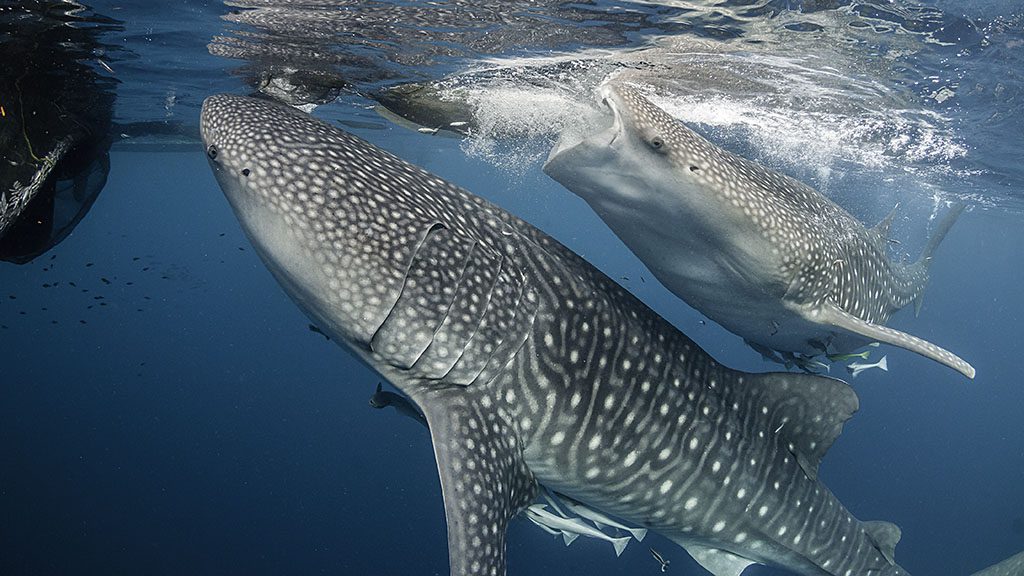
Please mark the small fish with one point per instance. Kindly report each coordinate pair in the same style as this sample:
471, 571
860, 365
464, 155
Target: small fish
806, 363
659, 558
767, 354
844, 357
426, 130
600, 519
105, 66
540, 515
856, 368
568, 537
313, 328
382, 399
105, 281
458, 124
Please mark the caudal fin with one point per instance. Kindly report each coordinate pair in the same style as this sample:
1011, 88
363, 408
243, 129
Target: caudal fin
926, 256
1013, 566
884, 363
940, 233
620, 544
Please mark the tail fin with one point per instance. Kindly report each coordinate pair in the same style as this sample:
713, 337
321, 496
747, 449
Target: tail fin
940, 233
620, 544
926, 256
884, 363
1012, 566
638, 533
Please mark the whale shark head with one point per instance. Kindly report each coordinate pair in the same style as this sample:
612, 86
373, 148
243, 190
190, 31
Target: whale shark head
644, 145
658, 183
305, 194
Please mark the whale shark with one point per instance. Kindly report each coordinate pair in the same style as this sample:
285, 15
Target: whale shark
766, 256
530, 365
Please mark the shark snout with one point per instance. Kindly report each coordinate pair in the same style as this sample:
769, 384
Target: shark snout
596, 138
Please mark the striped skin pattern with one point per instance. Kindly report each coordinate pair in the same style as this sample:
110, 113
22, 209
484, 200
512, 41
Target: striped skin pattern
530, 365
764, 255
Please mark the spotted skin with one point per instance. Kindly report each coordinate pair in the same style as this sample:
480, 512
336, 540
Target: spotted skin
532, 366
764, 255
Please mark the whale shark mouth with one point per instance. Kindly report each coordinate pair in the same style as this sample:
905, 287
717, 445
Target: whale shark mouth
602, 137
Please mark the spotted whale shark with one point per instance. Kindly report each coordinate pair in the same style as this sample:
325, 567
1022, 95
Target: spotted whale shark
531, 366
764, 255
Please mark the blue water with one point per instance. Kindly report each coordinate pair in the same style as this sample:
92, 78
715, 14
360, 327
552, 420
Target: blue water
189, 422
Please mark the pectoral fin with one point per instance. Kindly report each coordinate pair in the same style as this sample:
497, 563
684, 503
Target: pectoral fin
832, 315
484, 479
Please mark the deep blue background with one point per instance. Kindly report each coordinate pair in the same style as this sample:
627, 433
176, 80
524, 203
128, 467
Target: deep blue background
195, 425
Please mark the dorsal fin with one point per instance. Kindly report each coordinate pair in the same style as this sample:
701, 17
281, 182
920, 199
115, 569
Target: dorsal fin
806, 411
885, 536
882, 228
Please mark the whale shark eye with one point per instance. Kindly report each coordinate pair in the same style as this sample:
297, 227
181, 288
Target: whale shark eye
657, 143
212, 152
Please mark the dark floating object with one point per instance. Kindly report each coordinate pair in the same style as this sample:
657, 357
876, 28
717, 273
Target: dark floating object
105, 281
81, 322
56, 124
88, 264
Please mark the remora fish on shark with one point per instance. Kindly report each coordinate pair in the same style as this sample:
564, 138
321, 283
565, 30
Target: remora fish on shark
764, 255
530, 365
539, 514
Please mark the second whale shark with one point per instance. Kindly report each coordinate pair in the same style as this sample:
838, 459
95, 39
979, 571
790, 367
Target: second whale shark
764, 255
